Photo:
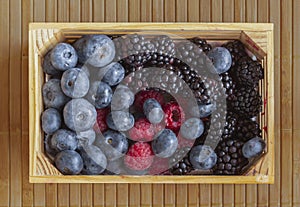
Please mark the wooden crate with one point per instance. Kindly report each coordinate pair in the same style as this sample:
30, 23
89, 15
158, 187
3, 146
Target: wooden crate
257, 37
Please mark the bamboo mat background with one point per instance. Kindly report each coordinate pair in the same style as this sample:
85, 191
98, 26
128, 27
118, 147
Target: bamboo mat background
14, 18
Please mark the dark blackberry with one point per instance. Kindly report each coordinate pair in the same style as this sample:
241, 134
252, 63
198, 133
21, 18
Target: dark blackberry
236, 49
159, 60
129, 68
201, 43
230, 158
246, 101
228, 83
247, 129
179, 163
248, 72
230, 126
134, 49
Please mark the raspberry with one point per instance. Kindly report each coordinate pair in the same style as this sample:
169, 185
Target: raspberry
142, 96
100, 125
139, 156
159, 166
143, 130
174, 116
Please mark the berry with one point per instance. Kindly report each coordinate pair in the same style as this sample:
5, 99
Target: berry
63, 56
51, 120
53, 96
179, 163
100, 94
112, 74
69, 162
101, 125
143, 95
247, 129
64, 139
139, 156
203, 157
230, 157
174, 116
86, 137
113, 144
153, 111
120, 120
192, 128
49, 151
228, 83
221, 59
163, 44
165, 143
94, 160
142, 130
230, 126
236, 49
97, 50
159, 166
122, 98
79, 115
254, 147
48, 67
202, 44
75, 83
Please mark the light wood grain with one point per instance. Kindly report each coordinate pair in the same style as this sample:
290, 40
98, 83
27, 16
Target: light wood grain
146, 194
296, 167
170, 194
169, 12
135, 194
122, 11
123, 194
75, 195
146, 10
158, 195
51, 194
157, 10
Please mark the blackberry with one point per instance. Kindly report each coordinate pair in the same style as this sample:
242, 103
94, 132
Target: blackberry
228, 83
201, 43
159, 60
179, 163
129, 68
230, 158
230, 126
134, 49
247, 129
248, 71
236, 49
246, 101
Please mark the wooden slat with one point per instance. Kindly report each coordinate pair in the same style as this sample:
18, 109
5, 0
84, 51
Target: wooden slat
216, 195
158, 195
146, 10
205, 194
239, 10
181, 195
110, 194
51, 10
99, 11
87, 10
193, 10
275, 17
205, 11
99, 198
169, 12
181, 11
75, 195
122, 194
239, 195
228, 11
296, 168
158, 10
51, 194
170, 195
63, 195
110, 11
146, 194
14, 103
4, 102
122, 11
134, 10
86, 195
134, 194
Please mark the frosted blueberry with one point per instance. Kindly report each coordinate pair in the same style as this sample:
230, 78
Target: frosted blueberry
63, 56
48, 67
221, 59
112, 74
100, 94
253, 147
192, 128
120, 120
51, 120
64, 140
69, 162
75, 83
86, 137
153, 111
203, 157
122, 98
79, 115
165, 143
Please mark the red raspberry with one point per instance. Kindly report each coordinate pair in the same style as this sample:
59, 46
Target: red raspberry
159, 166
142, 130
139, 156
100, 125
142, 96
174, 116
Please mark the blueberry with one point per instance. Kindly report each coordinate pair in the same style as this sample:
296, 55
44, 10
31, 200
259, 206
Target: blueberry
64, 139
113, 144
69, 162
153, 111
86, 137
50, 152
79, 115
120, 120
75, 83
122, 98
53, 96
203, 157
165, 143
221, 59
100, 94
253, 147
94, 160
63, 56
48, 67
112, 74
97, 50
192, 128
51, 120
